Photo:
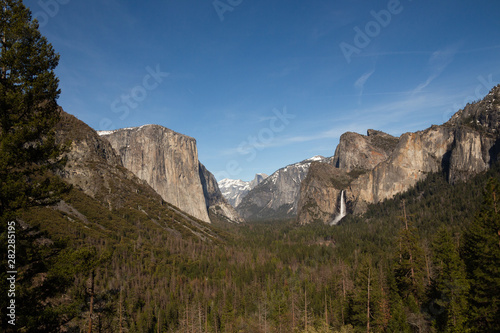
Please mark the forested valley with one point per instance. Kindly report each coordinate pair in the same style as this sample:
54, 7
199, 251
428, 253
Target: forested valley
425, 261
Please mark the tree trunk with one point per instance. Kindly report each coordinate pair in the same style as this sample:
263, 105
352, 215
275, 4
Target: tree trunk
91, 300
120, 312
305, 307
368, 303
326, 310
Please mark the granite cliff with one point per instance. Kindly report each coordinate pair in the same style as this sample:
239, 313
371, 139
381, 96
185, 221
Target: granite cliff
355, 155
168, 162
375, 167
93, 165
363, 152
215, 202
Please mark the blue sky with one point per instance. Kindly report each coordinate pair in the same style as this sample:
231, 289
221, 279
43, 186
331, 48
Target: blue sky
262, 84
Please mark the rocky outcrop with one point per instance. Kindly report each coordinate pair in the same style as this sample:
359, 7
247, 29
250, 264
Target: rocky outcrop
354, 157
167, 161
416, 155
277, 196
464, 146
320, 193
363, 152
214, 200
92, 164
234, 190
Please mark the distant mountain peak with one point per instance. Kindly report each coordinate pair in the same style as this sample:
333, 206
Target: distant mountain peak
316, 158
234, 190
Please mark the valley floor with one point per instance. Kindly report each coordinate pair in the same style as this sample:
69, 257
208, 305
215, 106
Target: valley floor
404, 266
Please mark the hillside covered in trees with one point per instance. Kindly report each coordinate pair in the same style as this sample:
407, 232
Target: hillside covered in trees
424, 261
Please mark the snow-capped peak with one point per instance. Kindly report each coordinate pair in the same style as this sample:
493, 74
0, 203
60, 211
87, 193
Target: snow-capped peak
234, 190
316, 158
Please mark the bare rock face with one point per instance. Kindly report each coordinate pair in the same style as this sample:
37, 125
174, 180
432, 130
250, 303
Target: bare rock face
94, 168
167, 161
470, 154
93, 165
360, 152
320, 193
214, 200
354, 157
416, 155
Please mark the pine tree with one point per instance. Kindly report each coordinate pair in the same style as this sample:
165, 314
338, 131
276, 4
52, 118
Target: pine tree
409, 269
449, 286
481, 253
398, 322
28, 111
364, 305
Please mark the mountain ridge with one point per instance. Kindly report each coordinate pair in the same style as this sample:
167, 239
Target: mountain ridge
465, 145
234, 190
277, 196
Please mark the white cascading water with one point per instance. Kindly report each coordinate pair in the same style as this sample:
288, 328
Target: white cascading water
342, 212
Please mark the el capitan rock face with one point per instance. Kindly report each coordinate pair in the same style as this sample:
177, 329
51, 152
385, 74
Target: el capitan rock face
168, 162
94, 168
375, 170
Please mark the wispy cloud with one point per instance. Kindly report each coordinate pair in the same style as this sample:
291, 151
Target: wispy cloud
385, 116
438, 62
404, 53
360, 83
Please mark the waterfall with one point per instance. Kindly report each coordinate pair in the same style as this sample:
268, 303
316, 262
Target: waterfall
342, 212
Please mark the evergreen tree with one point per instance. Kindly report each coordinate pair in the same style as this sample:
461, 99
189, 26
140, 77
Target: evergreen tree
364, 304
28, 154
409, 268
398, 322
481, 253
449, 286
28, 111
